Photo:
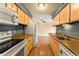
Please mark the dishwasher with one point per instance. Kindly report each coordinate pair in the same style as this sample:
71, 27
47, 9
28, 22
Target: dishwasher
65, 52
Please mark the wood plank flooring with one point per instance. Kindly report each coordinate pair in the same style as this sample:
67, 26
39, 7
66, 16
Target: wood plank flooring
43, 48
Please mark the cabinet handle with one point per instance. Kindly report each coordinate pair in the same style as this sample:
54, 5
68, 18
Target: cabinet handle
61, 51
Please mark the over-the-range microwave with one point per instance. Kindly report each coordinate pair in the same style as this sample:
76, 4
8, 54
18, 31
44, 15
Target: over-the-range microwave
7, 16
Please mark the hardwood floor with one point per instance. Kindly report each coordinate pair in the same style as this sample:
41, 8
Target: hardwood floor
42, 49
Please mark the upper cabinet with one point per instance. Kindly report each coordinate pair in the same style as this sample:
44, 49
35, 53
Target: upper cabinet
26, 19
74, 12
23, 18
64, 15
55, 21
20, 16
12, 6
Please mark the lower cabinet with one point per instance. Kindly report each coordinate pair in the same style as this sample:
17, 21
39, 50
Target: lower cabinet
28, 46
55, 46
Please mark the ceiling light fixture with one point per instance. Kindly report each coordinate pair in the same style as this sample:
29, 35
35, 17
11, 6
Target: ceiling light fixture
41, 5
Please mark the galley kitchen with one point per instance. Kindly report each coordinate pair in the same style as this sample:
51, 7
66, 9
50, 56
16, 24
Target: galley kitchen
39, 29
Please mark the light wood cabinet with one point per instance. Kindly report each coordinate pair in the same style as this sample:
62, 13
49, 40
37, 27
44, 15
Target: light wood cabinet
55, 48
23, 18
55, 45
12, 6
74, 12
55, 21
26, 20
64, 15
20, 16
28, 46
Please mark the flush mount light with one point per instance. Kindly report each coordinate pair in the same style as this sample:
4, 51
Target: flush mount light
41, 5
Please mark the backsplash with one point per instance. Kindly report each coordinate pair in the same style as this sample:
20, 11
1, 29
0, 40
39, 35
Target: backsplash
15, 29
72, 29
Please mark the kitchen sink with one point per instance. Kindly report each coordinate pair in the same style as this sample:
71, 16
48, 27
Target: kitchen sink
62, 37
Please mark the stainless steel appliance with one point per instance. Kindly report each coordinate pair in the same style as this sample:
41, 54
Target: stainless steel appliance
5, 42
65, 52
7, 16
8, 46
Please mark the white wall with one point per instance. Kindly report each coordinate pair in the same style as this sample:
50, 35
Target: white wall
44, 29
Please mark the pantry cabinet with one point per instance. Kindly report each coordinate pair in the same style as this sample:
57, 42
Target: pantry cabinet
74, 12
55, 20
12, 6
64, 15
55, 45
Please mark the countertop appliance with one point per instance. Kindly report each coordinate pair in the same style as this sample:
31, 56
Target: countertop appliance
7, 16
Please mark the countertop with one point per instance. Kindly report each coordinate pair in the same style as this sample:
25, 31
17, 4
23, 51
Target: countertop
72, 44
21, 36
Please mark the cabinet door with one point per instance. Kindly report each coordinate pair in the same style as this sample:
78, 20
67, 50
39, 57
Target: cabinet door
21, 14
55, 46
9, 5
74, 12
28, 46
30, 43
23, 18
64, 15
12, 7
55, 21
49, 40
26, 21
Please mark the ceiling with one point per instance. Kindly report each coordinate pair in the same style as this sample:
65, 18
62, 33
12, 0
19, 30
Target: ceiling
42, 13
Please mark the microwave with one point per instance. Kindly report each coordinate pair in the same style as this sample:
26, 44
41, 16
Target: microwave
7, 16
